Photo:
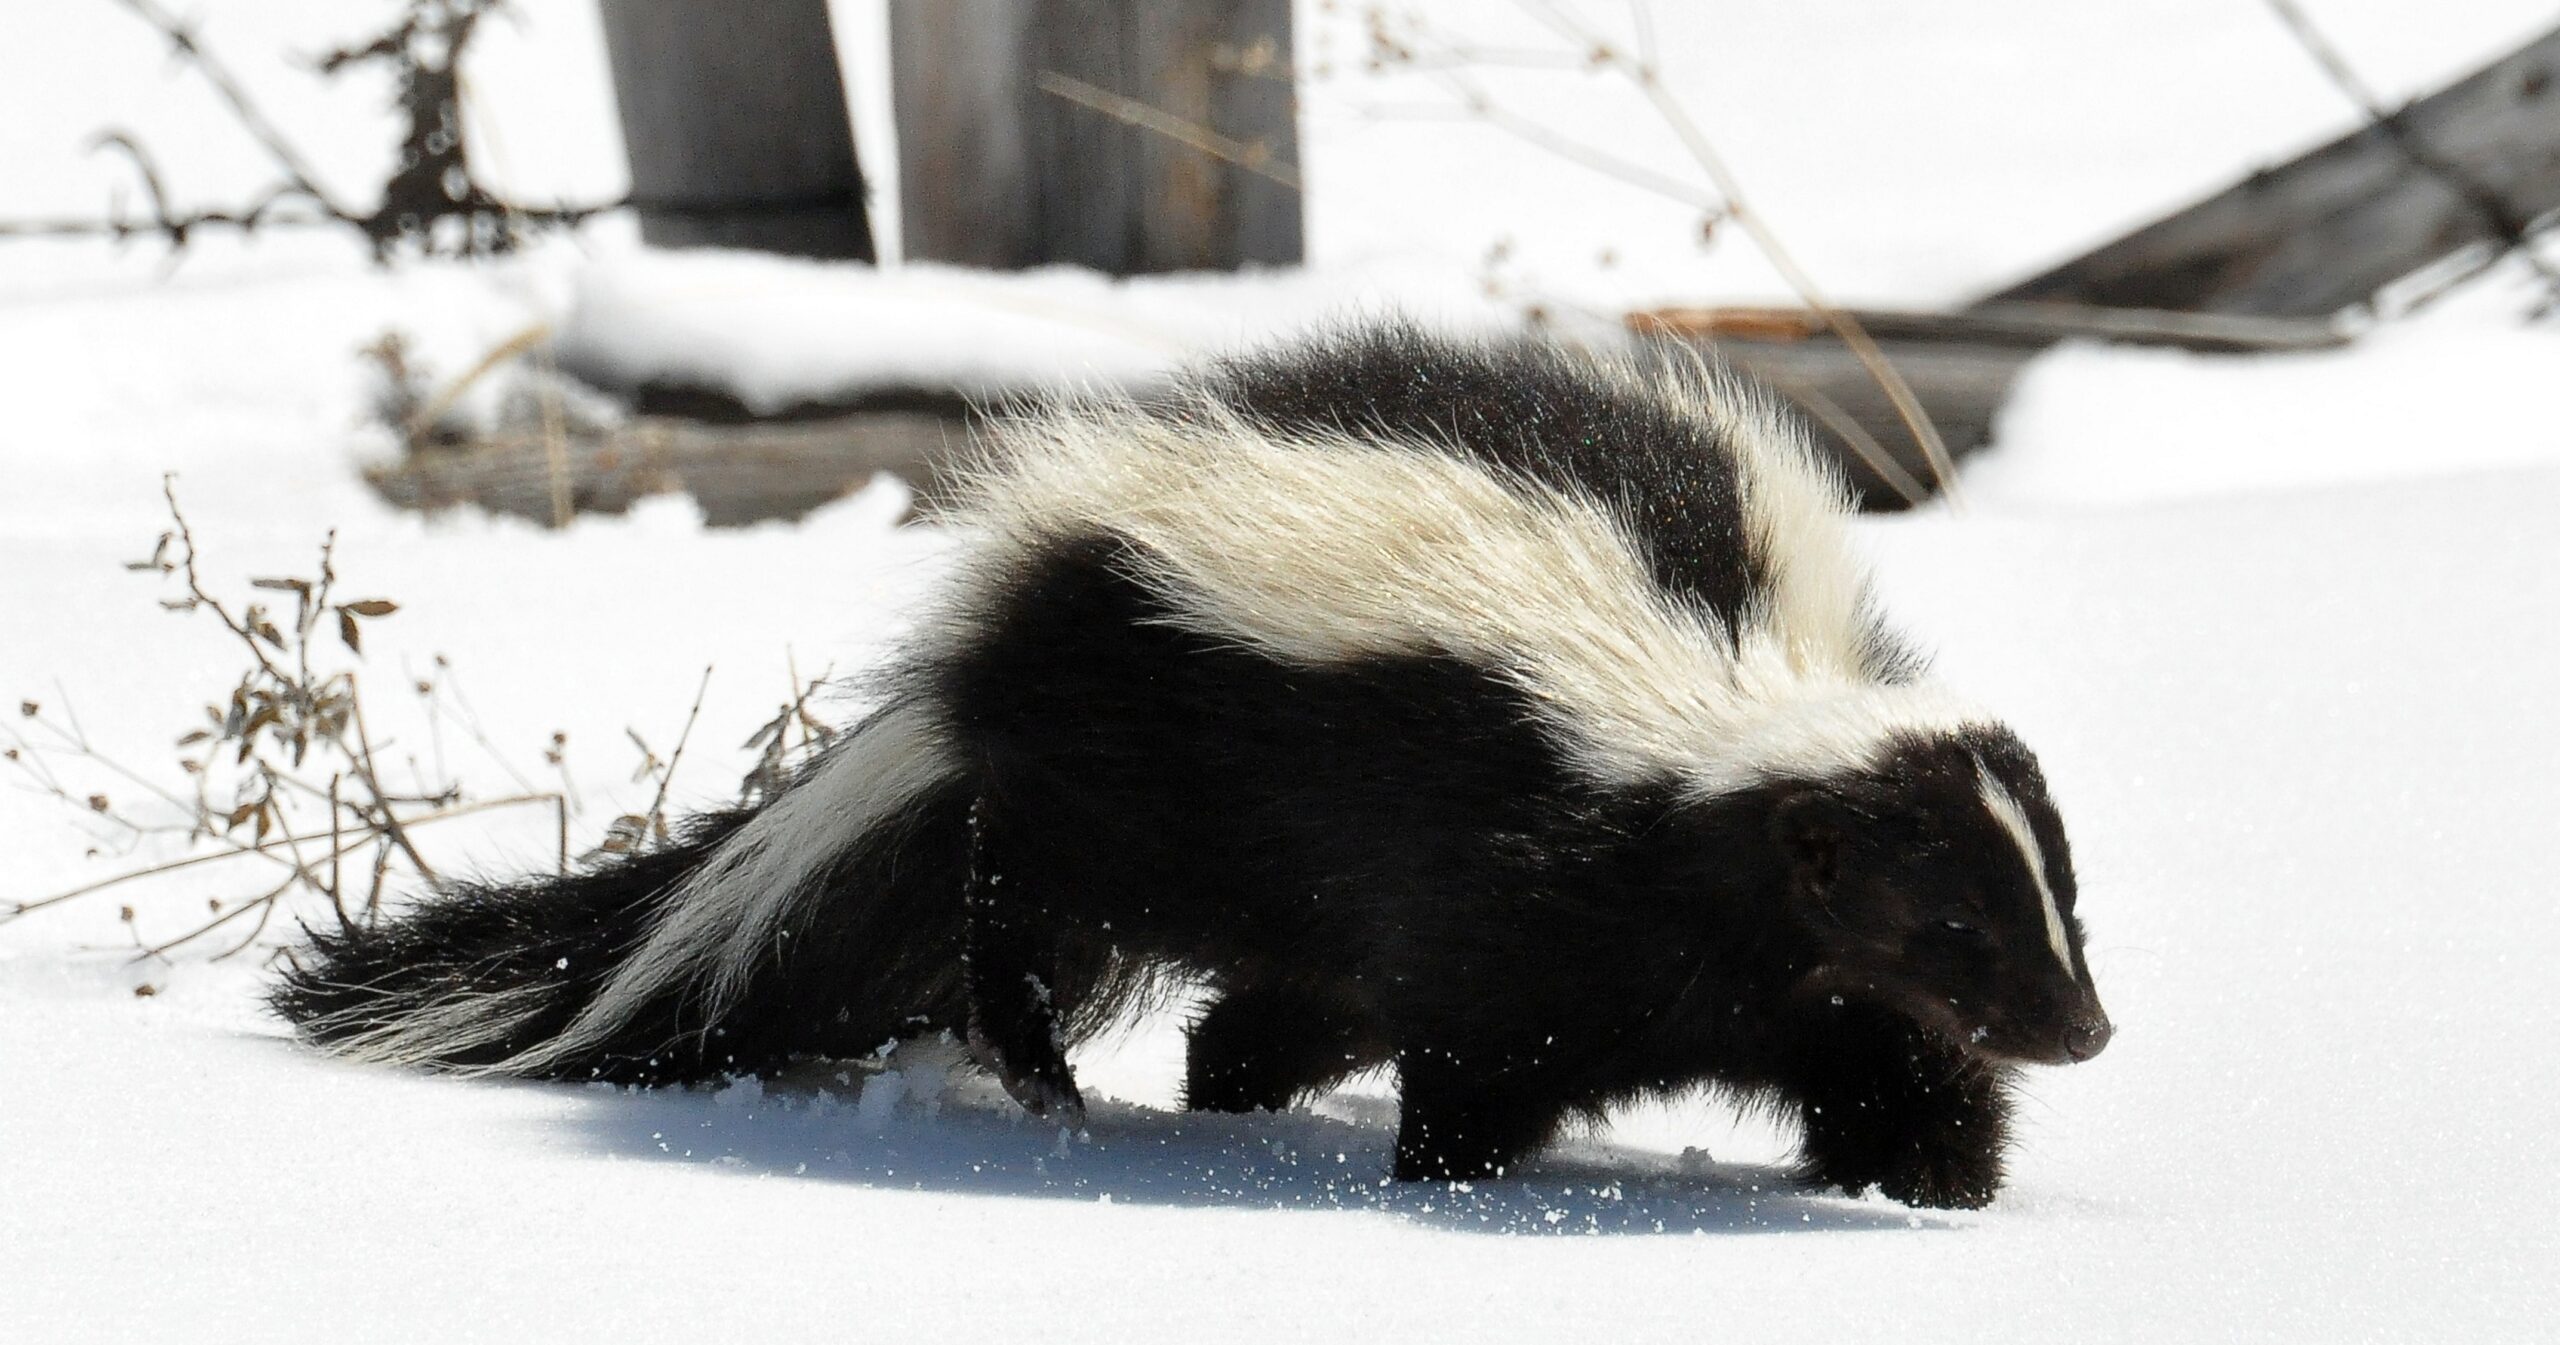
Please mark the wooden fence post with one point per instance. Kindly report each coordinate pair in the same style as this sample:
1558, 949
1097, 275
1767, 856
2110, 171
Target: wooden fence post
998, 171
734, 119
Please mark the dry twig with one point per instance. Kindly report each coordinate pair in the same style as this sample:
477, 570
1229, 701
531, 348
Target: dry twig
1410, 44
291, 710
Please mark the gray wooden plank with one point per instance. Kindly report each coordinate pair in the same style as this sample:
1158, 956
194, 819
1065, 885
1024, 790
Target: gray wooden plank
2328, 230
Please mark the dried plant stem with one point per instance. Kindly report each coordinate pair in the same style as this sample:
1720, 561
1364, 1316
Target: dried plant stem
391, 824
1722, 198
337, 890
334, 836
1253, 156
1906, 403
262, 903
1836, 418
514, 347
1647, 77
657, 815
297, 172
196, 591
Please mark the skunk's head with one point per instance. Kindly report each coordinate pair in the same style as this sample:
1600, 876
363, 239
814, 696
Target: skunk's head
1937, 884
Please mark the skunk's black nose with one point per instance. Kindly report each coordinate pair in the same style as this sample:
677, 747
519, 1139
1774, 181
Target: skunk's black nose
2085, 1039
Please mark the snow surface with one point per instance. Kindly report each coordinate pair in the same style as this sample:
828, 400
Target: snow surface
2280, 629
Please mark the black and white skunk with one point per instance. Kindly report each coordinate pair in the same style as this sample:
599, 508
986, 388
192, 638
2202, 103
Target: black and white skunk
1516, 717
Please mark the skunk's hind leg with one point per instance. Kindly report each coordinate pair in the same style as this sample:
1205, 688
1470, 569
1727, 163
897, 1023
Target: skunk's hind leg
1468, 1115
1259, 1048
1890, 1106
1011, 960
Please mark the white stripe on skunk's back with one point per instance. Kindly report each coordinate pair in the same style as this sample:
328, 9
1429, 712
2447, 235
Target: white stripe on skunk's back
1327, 552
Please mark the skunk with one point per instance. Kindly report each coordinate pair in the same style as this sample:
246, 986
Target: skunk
1514, 716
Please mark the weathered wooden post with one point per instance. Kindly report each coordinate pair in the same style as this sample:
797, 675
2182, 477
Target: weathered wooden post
734, 119
1125, 135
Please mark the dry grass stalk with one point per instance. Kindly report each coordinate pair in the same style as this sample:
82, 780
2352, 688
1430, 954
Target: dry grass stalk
288, 736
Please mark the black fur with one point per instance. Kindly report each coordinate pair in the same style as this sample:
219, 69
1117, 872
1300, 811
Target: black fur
1382, 861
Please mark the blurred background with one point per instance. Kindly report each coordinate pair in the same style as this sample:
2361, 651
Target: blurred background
449, 437
992, 169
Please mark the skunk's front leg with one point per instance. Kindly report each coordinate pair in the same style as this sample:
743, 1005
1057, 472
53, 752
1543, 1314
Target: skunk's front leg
1011, 965
1889, 1106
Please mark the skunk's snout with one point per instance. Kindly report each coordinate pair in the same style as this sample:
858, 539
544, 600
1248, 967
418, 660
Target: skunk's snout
2087, 1037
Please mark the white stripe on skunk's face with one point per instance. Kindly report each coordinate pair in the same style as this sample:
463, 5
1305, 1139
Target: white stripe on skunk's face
1329, 552
2013, 820
1938, 885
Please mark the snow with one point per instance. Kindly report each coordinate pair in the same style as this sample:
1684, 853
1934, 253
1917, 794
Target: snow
776, 332
2448, 391
2280, 629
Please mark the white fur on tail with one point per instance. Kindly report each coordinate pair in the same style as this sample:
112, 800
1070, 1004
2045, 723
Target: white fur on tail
713, 927
424, 1031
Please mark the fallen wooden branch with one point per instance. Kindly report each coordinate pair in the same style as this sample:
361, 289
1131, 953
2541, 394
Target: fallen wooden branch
739, 473
2260, 268
2330, 229
1960, 364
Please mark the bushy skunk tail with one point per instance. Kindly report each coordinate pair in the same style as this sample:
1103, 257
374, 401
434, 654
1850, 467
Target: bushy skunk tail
827, 921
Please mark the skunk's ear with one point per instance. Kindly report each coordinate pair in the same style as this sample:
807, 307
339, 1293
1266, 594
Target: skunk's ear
1808, 827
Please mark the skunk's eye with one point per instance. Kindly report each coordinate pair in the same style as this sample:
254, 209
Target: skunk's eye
1962, 929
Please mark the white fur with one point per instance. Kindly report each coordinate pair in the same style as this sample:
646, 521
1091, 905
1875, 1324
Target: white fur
1324, 554
1795, 509
419, 1034
2012, 818
713, 927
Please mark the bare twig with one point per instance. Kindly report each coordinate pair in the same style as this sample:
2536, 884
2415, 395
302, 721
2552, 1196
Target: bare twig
555, 437
666, 779
267, 848
1253, 156
337, 891
383, 811
196, 593
430, 183
1836, 418
434, 409
289, 704
1722, 197
297, 173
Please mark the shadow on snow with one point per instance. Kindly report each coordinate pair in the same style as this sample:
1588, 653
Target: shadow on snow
923, 1130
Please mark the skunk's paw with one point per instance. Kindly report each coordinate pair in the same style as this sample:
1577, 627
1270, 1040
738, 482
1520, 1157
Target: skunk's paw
1046, 1089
